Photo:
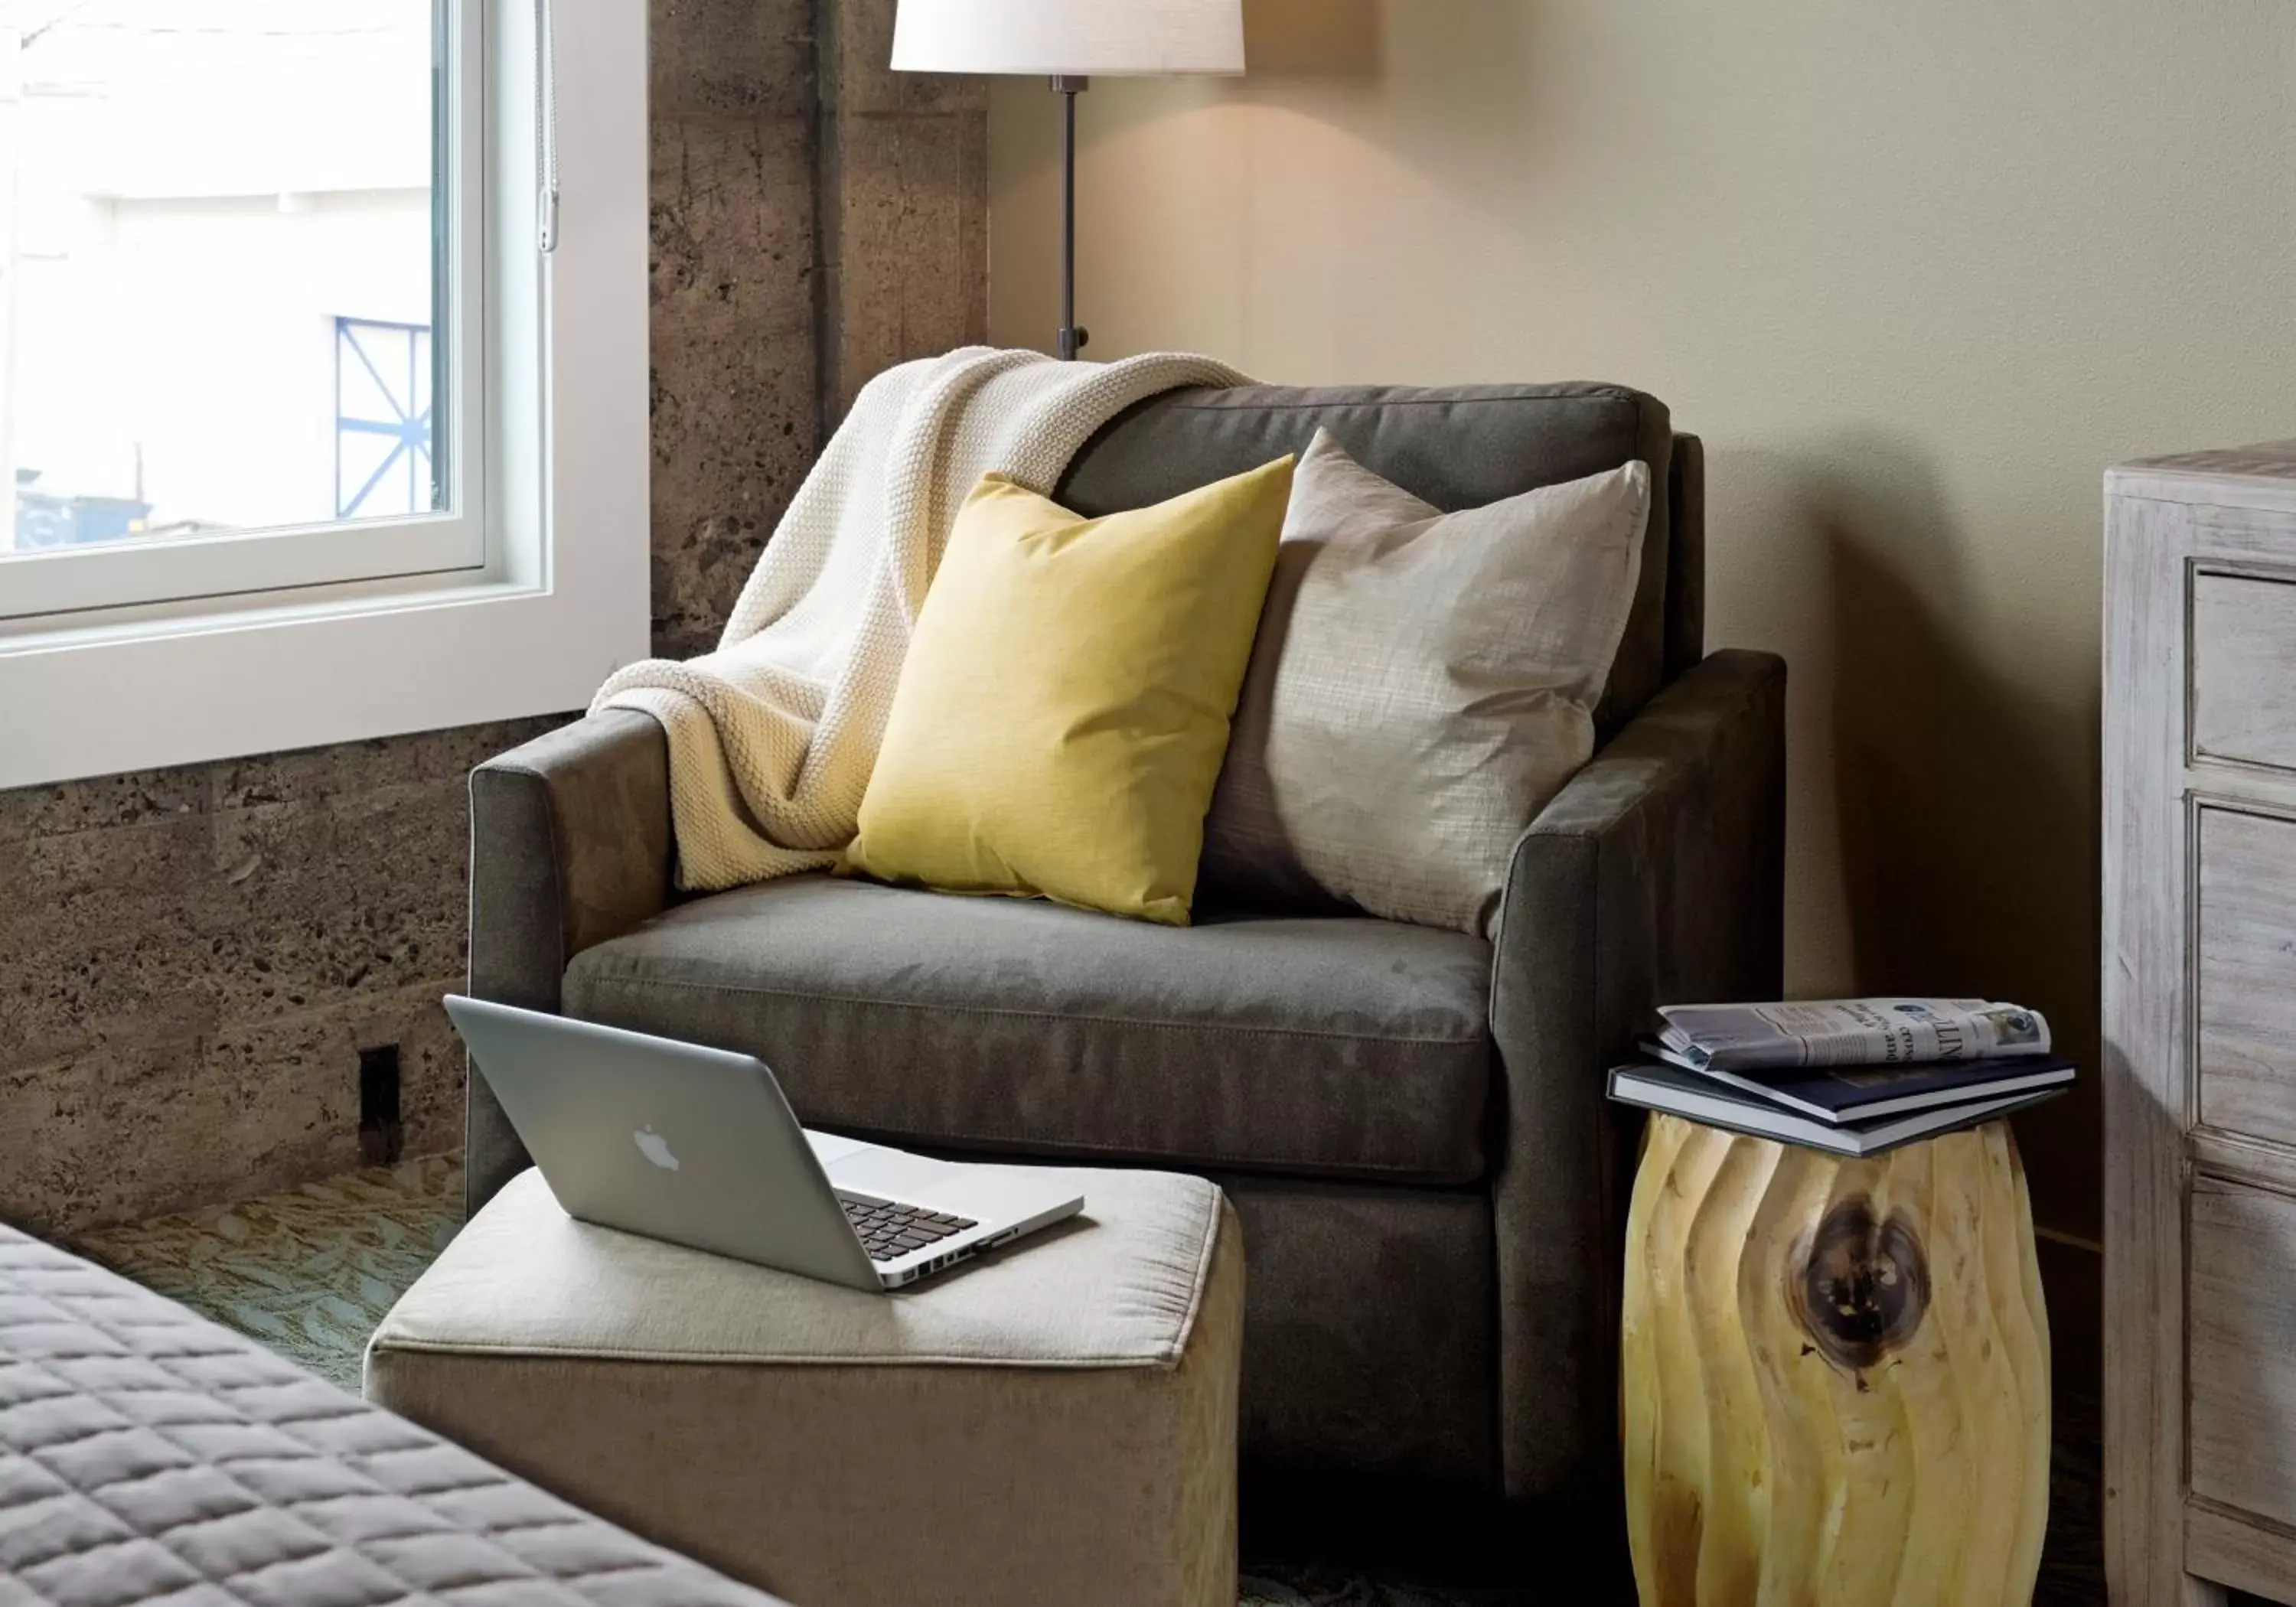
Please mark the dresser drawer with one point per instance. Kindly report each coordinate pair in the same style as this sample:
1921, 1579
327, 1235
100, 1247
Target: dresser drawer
2244, 669
2241, 1322
2247, 974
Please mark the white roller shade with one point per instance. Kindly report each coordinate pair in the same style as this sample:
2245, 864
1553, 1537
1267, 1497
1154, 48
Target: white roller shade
1083, 38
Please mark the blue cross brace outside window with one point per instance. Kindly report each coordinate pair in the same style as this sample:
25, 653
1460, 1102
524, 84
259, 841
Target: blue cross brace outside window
383, 420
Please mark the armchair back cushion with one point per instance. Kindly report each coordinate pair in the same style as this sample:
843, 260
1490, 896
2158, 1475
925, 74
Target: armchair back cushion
1460, 446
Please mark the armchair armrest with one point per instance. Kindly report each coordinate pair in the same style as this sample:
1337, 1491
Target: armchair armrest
1656, 876
569, 846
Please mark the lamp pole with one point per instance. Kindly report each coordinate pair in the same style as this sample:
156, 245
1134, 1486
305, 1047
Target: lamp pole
1070, 339
1060, 43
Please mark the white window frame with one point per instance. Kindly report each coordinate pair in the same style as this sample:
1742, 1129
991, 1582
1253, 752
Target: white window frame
79, 580
558, 488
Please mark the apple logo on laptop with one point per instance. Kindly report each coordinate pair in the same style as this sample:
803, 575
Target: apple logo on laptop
655, 1148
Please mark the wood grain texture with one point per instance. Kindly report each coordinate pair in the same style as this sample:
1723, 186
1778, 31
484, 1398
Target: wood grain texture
2242, 1552
2147, 544
2247, 968
1835, 1373
2265, 460
2244, 668
2200, 1028
2243, 1160
2261, 478
2243, 1368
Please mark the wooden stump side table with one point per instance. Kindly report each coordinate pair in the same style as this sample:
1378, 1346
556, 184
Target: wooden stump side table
1835, 1373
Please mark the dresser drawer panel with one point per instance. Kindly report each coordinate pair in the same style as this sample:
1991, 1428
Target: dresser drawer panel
2247, 982
2241, 1348
2231, 1550
2244, 669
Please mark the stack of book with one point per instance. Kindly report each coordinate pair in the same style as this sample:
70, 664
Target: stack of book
1853, 1075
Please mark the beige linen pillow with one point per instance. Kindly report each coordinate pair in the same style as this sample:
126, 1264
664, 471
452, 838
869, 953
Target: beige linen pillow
1422, 684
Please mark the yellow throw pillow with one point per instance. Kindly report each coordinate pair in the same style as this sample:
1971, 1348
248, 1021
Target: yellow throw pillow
1065, 707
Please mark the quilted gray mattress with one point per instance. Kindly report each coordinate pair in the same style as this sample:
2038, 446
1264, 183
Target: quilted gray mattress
148, 1457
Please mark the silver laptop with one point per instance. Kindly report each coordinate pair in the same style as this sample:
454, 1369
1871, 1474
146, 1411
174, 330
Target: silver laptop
698, 1146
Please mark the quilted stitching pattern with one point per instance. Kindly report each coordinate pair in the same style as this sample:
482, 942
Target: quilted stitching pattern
148, 1457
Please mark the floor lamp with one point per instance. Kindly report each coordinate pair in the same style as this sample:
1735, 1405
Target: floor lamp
1069, 43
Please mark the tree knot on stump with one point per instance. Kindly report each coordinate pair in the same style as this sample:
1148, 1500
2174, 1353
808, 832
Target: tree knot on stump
1863, 1284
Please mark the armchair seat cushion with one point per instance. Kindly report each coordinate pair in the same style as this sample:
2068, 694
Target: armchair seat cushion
1316, 1046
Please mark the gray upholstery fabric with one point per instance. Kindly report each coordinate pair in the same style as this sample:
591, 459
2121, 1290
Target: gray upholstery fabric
1369, 1333
1657, 875
1685, 587
570, 844
1456, 447
1309, 1047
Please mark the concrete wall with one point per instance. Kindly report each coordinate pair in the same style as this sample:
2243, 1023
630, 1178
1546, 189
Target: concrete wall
191, 961
1918, 274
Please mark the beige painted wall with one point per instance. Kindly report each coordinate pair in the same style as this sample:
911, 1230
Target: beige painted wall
1917, 272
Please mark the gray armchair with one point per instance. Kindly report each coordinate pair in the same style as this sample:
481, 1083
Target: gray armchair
1411, 1122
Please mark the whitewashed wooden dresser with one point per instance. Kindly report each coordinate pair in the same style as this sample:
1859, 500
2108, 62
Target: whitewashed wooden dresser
2200, 1026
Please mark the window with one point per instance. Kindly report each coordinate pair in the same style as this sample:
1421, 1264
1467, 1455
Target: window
202, 189
279, 360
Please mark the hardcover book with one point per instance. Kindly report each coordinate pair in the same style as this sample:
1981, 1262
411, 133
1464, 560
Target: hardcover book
1838, 1093
1701, 1098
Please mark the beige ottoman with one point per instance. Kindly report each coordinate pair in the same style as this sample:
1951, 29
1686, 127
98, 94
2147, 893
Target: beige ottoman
1054, 1423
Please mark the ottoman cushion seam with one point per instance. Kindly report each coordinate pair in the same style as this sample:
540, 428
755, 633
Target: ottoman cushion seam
751, 1358
1179, 1346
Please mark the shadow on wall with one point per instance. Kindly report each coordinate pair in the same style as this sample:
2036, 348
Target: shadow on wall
1312, 38
1967, 818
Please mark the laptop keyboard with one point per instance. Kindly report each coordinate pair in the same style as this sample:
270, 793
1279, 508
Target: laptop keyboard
889, 1230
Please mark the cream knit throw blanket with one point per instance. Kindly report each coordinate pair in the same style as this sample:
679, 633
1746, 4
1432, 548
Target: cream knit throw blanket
771, 736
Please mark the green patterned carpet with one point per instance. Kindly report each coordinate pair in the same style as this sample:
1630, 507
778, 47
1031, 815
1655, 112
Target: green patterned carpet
311, 1272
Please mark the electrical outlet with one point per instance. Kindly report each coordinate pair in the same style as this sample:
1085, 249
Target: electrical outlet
380, 1135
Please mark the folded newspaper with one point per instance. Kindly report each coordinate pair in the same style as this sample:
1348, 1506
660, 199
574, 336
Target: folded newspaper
1850, 1032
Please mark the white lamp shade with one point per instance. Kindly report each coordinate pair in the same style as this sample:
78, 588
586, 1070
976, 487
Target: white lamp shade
1071, 38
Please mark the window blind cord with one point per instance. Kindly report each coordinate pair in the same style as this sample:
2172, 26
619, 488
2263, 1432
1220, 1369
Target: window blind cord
546, 129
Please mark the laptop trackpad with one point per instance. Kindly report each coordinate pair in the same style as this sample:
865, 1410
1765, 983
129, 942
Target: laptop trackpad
829, 1148
869, 1168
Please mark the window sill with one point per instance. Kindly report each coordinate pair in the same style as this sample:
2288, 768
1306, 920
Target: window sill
95, 698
